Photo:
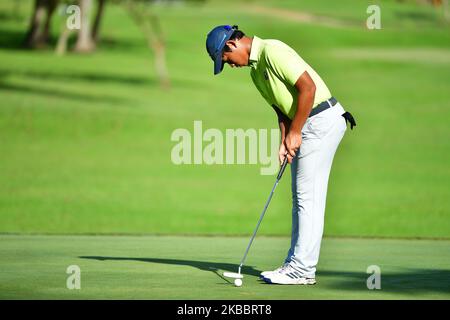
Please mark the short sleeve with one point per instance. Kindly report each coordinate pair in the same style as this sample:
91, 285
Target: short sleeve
286, 64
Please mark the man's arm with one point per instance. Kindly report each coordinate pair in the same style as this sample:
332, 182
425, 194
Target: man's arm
284, 123
307, 90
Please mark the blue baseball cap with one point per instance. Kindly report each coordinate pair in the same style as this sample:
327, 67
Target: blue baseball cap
215, 42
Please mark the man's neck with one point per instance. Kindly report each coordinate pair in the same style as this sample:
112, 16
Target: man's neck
249, 42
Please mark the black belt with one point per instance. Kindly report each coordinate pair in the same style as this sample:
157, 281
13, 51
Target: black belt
328, 104
323, 106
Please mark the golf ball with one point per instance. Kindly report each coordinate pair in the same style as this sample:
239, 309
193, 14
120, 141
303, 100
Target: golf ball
238, 282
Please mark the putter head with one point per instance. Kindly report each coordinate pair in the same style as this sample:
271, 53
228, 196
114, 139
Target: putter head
233, 275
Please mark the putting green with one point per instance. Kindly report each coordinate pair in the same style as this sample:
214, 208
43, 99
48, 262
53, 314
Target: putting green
176, 267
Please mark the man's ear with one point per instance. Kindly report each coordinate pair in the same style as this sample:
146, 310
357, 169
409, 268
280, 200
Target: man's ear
232, 44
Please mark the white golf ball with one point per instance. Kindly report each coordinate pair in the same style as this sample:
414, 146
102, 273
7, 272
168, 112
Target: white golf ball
238, 282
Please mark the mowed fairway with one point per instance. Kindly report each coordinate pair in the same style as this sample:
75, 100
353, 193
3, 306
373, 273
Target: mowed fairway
173, 267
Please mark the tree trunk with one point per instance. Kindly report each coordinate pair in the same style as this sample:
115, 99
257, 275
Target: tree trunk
152, 30
33, 35
61, 46
38, 33
159, 49
157, 43
84, 41
51, 6
97, 20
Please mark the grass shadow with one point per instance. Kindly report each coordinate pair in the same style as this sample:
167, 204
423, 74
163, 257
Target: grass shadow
11, 16
411, 281
94, 78
416, 16
59, 94
214, 267
11, 39
82, 76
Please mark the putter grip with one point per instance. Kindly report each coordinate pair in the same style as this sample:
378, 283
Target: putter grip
283, 166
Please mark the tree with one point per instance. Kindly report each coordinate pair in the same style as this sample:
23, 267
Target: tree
85, 42
87, 38
38, 33
97, 19
151, 27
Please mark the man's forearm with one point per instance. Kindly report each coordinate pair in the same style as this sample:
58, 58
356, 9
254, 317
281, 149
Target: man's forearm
284, 123
304, 105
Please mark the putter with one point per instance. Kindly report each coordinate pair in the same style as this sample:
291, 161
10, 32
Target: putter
238, 276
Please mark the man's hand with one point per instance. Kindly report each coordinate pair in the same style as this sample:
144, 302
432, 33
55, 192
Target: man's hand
282, 153
293, 141
306, 93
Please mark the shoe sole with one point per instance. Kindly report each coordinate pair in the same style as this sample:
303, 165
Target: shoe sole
267, 280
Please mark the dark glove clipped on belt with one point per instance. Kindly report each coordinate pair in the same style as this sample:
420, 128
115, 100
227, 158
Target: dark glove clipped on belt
349, 118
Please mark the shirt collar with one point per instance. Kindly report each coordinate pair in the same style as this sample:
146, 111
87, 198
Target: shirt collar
255, 51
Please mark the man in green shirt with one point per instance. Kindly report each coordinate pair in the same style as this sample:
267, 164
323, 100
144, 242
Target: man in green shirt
312, 124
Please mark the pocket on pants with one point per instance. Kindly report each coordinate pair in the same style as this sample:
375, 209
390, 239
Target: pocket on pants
320, 125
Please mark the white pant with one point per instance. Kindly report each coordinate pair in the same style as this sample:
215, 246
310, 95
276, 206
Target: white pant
310, 170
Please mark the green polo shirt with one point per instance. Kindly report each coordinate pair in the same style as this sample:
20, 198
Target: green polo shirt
275, 68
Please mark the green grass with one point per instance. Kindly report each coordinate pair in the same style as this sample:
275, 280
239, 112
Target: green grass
171, 267
85, 139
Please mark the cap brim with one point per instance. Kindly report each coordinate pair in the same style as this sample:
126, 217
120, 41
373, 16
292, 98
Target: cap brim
218, 65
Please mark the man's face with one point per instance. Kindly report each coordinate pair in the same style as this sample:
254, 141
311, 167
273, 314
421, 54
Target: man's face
238, 56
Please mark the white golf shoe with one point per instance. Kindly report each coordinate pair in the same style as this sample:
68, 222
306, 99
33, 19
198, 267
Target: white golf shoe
267, 273
288, 275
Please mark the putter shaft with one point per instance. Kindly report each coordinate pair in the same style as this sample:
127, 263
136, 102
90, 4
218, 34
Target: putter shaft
280, 174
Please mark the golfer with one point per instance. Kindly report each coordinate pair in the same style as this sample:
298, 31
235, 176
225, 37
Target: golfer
312, 123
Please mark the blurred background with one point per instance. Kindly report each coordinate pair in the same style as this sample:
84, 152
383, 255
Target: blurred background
86, 116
